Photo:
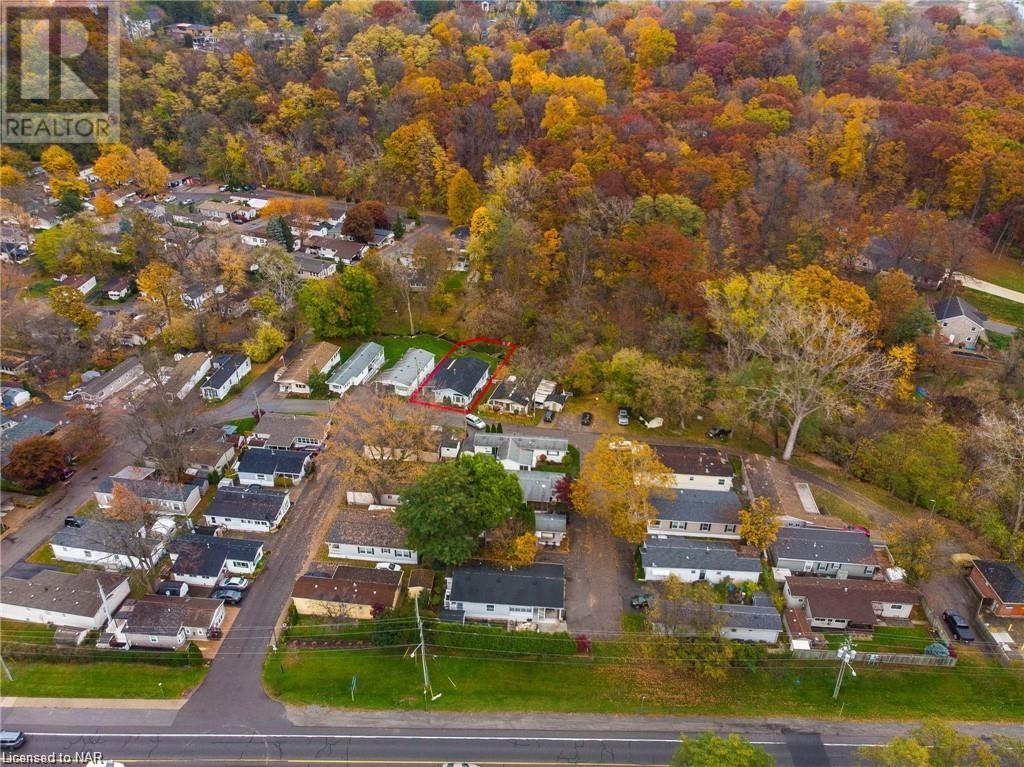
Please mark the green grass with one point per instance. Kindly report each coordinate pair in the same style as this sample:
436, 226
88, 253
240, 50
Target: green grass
998, 340
243, 424
26, 633
102, 679
41, 288
999, 309
898, 639
44, 556
1005, 271
396, 346
829, 503
387, 680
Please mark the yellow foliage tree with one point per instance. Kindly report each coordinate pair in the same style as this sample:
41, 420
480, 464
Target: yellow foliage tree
905, 357
104, 205
759, 524
617, 484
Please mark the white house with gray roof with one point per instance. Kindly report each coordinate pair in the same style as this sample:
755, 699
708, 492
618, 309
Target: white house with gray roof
364, 364
534, 594
228, 371
406, 375
106, 543
697, 514
959, 322
168, 497
80, 600
825, 552
458, 380
518, 452
692, 561
757, 622
249, 509
110, 383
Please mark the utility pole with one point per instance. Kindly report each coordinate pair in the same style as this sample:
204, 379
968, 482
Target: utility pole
846, 655
427, 691
7, 671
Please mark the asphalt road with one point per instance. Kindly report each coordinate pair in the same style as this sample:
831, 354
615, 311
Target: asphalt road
230, 746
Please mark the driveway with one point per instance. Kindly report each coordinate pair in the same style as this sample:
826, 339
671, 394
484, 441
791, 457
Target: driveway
599, 578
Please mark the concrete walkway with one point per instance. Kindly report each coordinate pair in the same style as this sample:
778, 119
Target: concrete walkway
170, 704
987, 287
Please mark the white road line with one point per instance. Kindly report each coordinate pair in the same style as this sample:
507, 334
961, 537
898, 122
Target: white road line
311, 736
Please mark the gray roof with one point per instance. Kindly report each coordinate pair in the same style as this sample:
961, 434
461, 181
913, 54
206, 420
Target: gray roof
98, 384
74, 594
408, 368
699, 506
549, 523
367, 527
145, 616
539, 585
460, 375
103, 535
537, 486
698, 461
283, 429
22, 430
311, 264
821, 544
228, 364
954, 306
1005, 577
683, 553
510, 390
258, 503
356, 364
149, 488
755, 616
518, 447
265, 460
204, 555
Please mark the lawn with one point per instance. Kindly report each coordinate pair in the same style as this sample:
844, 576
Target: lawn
999, 309
243, 424
1005, 271
829, 503
100, 679
26, 633
41, 288
897, 639
396, 346
44, 556
780, 686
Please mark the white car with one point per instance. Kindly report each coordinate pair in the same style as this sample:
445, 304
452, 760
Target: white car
388, 566
72, 394
476, 421
241, 584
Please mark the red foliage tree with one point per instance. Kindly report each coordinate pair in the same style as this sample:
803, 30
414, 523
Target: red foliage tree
35, 462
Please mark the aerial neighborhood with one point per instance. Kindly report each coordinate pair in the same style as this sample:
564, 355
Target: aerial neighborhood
613, 359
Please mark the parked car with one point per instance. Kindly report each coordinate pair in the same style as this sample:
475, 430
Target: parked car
317, 574
586, 419
72, 521
231, 596
238, 584
11, 740
719, 432
388, 566
549, 416
623, 419
476, 421
642, 601
859, 528
958, 626
71, 394
67, 474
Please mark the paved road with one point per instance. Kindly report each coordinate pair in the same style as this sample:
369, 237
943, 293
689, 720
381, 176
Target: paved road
987, 287
1001, 327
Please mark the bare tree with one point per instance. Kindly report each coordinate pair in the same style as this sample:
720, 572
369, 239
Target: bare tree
1003, 439
381, 442
162, 422
125, 531
815, 360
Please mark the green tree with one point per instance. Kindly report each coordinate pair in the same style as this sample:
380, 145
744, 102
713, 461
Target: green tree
341, 306
280, 231
69, 303
70, 203
710, 750
674, 209
623, 377
399, 228
445, 511
937, 744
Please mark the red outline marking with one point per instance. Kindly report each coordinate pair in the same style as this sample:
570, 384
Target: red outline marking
511, 349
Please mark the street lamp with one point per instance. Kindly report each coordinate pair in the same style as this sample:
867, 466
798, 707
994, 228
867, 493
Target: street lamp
846, 654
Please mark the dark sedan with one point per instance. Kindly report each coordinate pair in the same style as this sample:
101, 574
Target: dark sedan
958, 626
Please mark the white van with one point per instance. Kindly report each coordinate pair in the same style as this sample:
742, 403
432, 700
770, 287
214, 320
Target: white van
476, 421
